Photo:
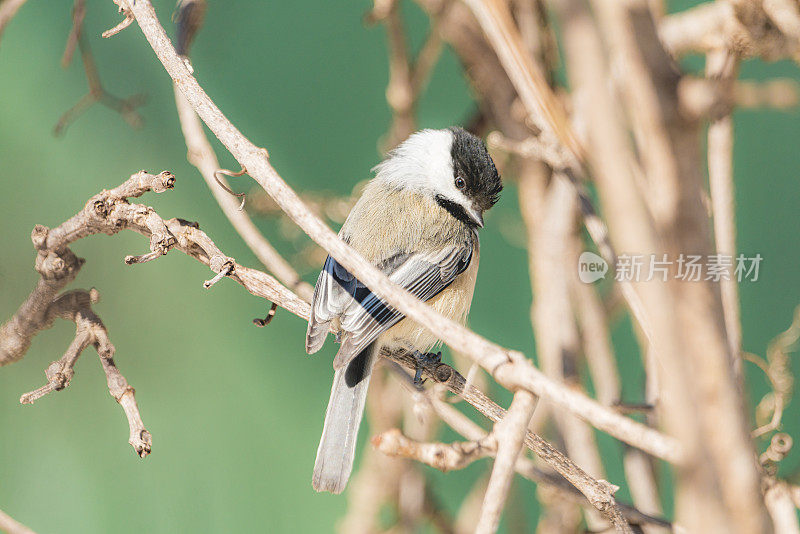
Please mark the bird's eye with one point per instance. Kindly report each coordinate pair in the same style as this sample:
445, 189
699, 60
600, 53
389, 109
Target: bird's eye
460, 183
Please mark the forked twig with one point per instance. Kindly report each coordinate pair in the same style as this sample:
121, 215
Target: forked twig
127, 21
126, 107
510, 368
189, 19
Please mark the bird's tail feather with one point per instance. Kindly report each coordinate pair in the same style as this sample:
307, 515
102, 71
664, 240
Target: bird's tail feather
316, 334
337, 447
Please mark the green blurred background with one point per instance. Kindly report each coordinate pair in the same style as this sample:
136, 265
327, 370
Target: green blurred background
235, 411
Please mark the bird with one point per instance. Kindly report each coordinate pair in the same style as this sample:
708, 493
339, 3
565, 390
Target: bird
417, 221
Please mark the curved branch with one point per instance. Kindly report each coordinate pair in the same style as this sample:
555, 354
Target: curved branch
9, 525
201, 155
8, 9
109, 212
510, 368
90, 331
443, 456
598, 492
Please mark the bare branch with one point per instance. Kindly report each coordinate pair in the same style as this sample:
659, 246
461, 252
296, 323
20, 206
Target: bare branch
541, 104
90, 331
127, 21
443, 456
510, 368
97, 94
549, 208
110, 212
8, 9
781, 508
9, 525
526, 468
509, 434
777, 94
766, 29
201, 155
701, 28
407, 77
78, 14
691, 345
599, 493
724, 66
107, 212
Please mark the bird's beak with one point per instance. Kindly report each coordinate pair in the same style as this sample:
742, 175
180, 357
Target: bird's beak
476, 216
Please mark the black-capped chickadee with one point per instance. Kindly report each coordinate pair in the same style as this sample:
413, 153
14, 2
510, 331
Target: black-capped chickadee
417, 221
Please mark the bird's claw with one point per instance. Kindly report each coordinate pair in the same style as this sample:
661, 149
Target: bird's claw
424, 359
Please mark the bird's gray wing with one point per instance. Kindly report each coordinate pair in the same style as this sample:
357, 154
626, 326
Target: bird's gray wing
366, 316
336, 289
363, 315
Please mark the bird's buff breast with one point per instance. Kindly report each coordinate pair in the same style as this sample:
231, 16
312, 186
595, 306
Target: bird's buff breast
411, 222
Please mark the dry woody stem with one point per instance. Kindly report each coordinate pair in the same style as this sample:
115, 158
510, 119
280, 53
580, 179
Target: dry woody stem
510, 368
630, 123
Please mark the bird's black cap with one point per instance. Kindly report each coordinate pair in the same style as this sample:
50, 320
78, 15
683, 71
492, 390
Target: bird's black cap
471, 161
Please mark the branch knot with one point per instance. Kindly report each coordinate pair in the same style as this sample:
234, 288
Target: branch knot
442, 373
61, 265
39, 236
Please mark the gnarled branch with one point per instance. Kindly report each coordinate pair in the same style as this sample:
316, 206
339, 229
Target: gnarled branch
510, 368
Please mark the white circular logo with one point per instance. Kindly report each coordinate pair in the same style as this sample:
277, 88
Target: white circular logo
591, 267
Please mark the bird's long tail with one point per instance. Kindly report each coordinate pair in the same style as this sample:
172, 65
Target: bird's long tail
337, 447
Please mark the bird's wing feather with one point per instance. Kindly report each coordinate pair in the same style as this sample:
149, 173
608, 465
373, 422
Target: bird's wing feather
363, 315
336, 289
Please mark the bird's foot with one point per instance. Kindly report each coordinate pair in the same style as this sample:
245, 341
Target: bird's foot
423, 359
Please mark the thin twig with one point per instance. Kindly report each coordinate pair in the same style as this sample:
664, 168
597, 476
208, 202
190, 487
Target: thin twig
218, 178
201, 154
765, 29
127, 21
407, 77
723, 66
90, 330
526, 467
261, 323
541, 104
510, 368
78, 14
598, 492
109, 212
509, 434
443, 456
9, 525
97, 94
781, 508
8, 8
